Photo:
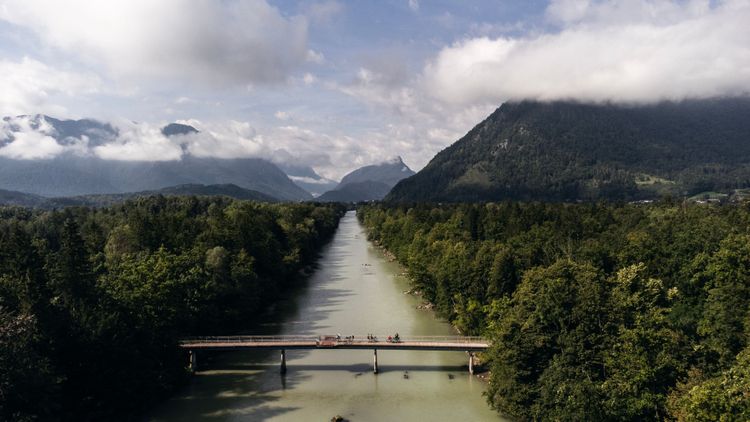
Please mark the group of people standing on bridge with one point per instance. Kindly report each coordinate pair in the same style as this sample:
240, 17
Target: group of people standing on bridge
348, 339
391, 339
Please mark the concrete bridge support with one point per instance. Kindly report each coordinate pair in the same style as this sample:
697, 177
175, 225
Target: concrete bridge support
193, 360
283, 361
375, 361
471, 363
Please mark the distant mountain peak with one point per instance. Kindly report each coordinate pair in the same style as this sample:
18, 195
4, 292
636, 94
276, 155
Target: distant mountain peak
178, 129
396, 160
369, 182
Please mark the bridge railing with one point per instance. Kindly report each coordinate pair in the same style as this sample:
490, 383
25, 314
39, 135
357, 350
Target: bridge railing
329, 337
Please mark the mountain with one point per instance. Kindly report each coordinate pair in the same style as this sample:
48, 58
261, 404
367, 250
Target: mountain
369, 183
306, 178
565, 151
34, 201
389, 172
357, 192
21, 199
73, 174
177, 129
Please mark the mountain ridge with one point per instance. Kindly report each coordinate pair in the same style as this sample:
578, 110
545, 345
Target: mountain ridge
369, 183
14, 198
569, 151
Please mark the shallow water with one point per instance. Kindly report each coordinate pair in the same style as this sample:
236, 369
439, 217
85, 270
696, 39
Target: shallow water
354, 291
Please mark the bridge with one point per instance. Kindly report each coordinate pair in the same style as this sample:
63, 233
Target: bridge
470, 345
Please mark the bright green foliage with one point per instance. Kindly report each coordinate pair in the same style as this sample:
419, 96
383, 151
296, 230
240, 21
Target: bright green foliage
93, 301
725, 398
595, 311
728, 302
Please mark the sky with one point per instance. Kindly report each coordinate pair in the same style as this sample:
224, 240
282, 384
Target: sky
337, 84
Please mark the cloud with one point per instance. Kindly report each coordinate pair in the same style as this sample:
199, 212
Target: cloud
323, 12
282, 115
309, 79
29, 86
414, 5
231, 139
21, 141
214, 43
629, 51
139, 142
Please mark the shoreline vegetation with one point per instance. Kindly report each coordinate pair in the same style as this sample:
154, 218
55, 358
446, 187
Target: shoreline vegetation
596, 311
93, 301
480, 368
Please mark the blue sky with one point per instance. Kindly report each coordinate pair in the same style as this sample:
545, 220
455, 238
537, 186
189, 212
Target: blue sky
338, 84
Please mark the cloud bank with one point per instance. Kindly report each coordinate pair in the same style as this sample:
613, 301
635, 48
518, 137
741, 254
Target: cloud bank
27, 84
214, 43
616, 50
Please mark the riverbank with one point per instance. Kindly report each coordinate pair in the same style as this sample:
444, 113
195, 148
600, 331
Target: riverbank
480, 368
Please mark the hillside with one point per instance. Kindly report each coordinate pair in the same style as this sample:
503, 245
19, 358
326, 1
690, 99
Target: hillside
357, 192
9, 197
102, 200
564, 151
369, 183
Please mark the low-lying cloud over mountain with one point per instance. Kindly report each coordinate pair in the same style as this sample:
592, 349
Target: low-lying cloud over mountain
628, 51
51, 157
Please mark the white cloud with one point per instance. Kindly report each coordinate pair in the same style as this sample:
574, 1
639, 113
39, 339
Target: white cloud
414, 5
309, 79
139, 142
20, 141
215, 43
631, 51
323, 12
29, 86
282, 115
231, 139
315, 57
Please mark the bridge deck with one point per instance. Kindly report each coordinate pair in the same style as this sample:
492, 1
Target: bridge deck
466, 344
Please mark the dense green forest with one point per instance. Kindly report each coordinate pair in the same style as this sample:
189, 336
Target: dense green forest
595, 311
93, 301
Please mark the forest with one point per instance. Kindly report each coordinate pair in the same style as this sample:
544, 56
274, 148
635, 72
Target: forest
595, 311
94, 300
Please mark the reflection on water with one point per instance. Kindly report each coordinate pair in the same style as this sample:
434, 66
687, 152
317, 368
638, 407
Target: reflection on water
354, 291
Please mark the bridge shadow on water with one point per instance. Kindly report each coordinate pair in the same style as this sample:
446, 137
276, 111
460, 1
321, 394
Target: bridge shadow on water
357, 368
244, 395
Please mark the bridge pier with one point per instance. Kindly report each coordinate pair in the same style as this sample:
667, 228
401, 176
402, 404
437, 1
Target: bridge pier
283, 361
471, 363
375, 361
193, 360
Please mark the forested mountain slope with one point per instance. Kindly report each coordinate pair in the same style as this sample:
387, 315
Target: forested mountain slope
564, 151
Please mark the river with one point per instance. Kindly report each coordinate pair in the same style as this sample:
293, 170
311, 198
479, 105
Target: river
353, 291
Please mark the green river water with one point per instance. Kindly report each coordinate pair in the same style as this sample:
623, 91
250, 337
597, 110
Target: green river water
353, 291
